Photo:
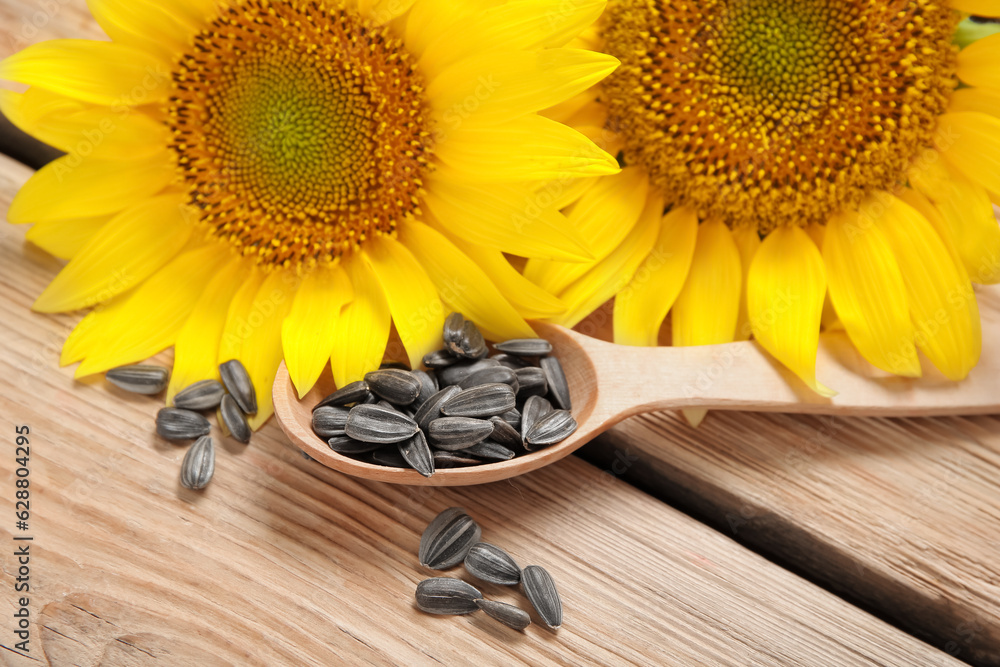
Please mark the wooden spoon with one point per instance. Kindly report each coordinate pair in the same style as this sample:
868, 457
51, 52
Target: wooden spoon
609, 383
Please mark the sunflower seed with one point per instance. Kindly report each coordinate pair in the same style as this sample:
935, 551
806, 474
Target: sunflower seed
233, 421
455, 433
488, 449
447, 539
147, 380
177, 424
491, 563
238, 383
397, 365
440, 359
199, 464
550, 429
512, 417
394, 385
453, 331
447, 596
418, 454
541, 591
490, 375
431, 409
458, 372
204, 395
343, 444
508, 614
534, 409
526, 347
505, 434
531, 382
443, 459
556, 379
510, 361
486, 400
354, 392
375, 423
328, 419
428, 387
472, 343
389, 457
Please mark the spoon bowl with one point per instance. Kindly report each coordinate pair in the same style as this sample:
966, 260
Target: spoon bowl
609, 383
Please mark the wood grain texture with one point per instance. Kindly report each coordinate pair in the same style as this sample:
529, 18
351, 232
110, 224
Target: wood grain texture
281, 561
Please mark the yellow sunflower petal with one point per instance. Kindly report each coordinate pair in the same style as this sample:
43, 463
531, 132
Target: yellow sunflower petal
237, 326
362, 330
868, 291
787, 285
971, 143
708, 306
145, 24
979, 100
128, 249
196, 351
381, 12
307, 335
748, 241
81, 340
978, 7
817, 232
65, 238
413, 300
463, 285
428, 20
642, 306
71, 188
91, 71
977, 63
155, 312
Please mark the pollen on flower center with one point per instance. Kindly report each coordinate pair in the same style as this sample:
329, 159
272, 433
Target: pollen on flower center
299, 129
769, 112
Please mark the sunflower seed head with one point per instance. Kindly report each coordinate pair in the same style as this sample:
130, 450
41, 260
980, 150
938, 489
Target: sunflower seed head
199, 464
147, 380
447, 596
238, 383
458, 372
455, 433
486, 400
508, 614
526, 347
431, 409
491, 563
355, 392
550, 429
342, 444
390, 457
534, 409
490, 375
428, 387
394, 385
178, 424
531, 382
541, 591
448, 538
510, 361
232, 419
556, 379
417, 453
505, 434
378, 424
488, 449
443, 459
204, 395
328, 419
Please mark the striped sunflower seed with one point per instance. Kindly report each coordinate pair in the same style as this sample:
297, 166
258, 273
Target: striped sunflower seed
550, 429
178, 424
534, 409
508, 614
342, 444
204, 395
199, 464
431, 409
556, 379
454, 328
447, 539
458, 372
512, 417
355, 392
505, 434
526, 347
418, 454
440, 359
378, 424
233, 421
491, 375
541, 591
491, 563
238, 383
510, 361
444, 459
326, 421
531, 382
486, 400
455, 433
389, 457
447, 596
473, 345
428, 387
397, 386
488, 449
397, 365
147, 380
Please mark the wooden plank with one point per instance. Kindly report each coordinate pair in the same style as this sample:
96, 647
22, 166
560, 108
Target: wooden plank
282, 561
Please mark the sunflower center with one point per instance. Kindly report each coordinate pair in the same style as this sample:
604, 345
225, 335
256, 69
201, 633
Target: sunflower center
299, 129
769, 112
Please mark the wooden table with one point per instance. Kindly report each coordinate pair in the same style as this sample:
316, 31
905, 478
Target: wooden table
755, 539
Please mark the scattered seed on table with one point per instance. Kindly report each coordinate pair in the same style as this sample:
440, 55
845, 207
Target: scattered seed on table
534, 409
556, 379
343, 444
146, 380
488, 449
203, 395
550, 429
486, 400
505, 434
394, 385
447, 596
199, 464
455, 433
448, 538
375, 423
417, 453
355, 392
326, 421
491, 375
538, 585
233, 421
178, 424
526, 347
238, 383
508, 614
491, 563
431, 410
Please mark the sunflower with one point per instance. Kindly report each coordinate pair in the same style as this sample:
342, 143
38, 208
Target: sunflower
258, 180
822, 163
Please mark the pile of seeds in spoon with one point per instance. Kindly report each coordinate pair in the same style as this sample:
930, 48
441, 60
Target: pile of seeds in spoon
453, 537
465, 408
